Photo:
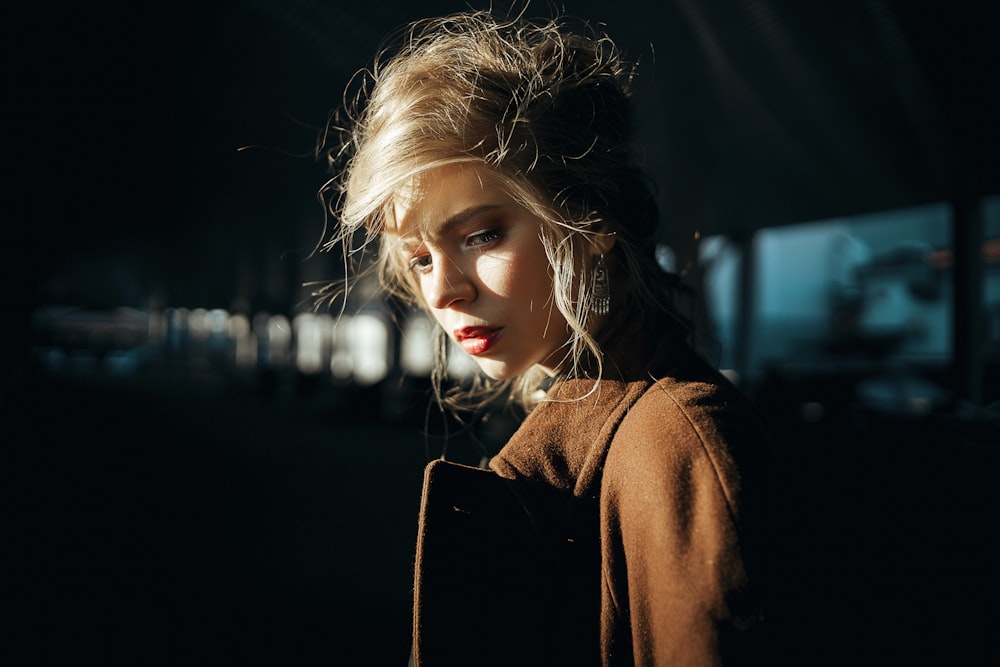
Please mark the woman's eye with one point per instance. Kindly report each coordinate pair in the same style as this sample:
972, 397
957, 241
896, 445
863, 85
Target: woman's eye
482, 239
420, 263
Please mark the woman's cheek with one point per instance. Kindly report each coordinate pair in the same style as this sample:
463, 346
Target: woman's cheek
499, 275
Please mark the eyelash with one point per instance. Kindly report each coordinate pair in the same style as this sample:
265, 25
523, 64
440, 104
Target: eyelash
490, 236
415, 265
479, 242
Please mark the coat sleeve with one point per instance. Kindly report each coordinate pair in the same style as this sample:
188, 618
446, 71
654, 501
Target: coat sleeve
676, 590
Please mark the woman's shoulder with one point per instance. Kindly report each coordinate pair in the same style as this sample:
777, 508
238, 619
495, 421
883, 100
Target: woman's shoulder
683, 381
690, 419
698, 407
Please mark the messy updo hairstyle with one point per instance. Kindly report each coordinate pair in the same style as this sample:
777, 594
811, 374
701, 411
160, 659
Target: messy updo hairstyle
543, 107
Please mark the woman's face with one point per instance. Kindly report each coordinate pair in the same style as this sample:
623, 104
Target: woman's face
476, 257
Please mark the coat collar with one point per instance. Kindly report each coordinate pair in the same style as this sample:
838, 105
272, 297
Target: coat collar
563, 443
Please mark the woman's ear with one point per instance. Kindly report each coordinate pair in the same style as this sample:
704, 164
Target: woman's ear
602, 243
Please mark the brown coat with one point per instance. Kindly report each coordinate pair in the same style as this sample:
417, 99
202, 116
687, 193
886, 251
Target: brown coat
620, 526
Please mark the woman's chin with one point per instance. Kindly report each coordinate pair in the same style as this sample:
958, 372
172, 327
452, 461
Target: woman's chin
493, 371
497, 370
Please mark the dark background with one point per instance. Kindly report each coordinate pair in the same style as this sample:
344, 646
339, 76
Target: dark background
182, 517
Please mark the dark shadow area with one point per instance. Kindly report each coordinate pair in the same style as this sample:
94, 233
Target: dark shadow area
166, 519
890, 552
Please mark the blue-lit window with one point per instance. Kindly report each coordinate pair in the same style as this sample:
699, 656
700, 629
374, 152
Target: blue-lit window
991, 274
869, 288
721, 264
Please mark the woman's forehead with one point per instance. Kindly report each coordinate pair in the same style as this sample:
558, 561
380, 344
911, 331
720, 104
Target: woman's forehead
429, 201
401, 212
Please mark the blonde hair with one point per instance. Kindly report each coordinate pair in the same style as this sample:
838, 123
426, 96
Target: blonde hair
544, 108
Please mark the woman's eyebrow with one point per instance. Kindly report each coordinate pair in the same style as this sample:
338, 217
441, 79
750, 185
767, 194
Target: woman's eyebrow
407, 243
462, 216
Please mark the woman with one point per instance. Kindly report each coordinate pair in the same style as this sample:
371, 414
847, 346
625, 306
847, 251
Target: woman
623, 521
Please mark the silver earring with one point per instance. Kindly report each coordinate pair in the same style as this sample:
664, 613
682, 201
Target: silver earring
601, 292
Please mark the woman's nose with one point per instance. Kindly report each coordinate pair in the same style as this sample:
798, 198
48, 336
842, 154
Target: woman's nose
448, 285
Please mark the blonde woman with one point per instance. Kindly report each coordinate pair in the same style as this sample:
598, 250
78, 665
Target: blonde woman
623, 523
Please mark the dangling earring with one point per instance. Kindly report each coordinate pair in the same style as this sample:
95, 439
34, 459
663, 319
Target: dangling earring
601, 291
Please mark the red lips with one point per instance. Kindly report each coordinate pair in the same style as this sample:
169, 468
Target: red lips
477, 340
